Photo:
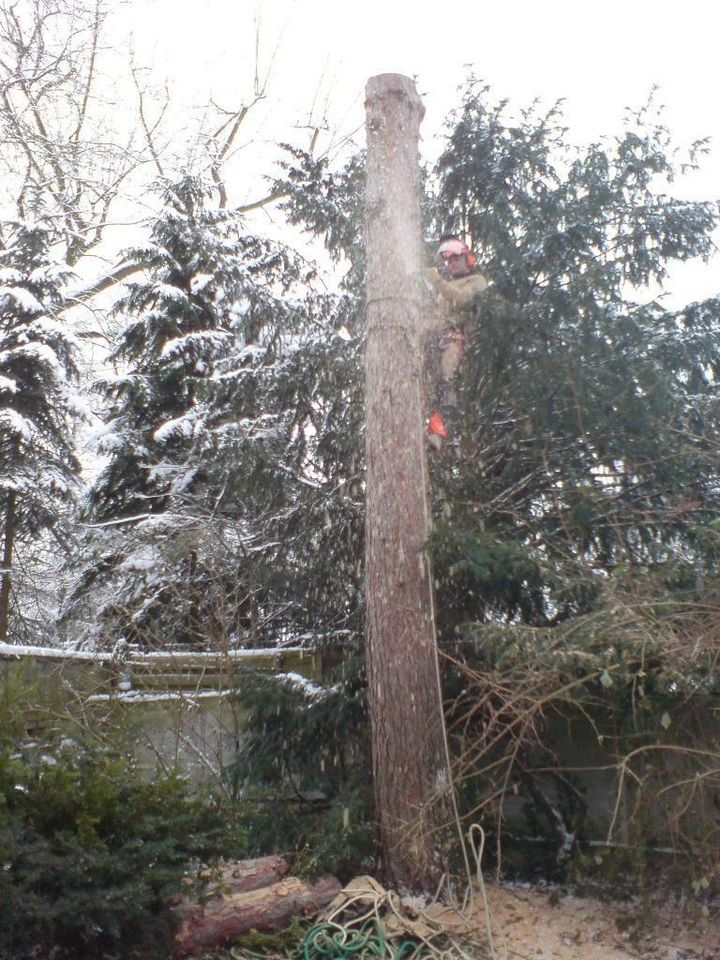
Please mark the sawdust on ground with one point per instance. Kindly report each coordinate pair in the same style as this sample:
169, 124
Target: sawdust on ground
531, 923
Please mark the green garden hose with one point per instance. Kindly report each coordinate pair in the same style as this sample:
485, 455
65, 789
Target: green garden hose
330, 942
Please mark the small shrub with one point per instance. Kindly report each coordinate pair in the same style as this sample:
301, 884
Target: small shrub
90, 853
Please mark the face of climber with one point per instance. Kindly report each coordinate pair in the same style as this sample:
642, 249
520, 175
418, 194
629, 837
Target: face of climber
456, 265
453, 258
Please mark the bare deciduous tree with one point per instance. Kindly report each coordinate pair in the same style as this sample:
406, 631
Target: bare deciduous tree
65, 150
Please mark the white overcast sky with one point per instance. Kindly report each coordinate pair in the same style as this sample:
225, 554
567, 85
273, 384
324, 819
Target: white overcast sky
601, 57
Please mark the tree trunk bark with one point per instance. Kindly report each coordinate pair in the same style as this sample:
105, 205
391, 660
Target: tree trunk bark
409, 762
6, 583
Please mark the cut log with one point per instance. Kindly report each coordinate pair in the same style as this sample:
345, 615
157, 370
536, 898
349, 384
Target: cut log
237, 876
242, 876
268, 909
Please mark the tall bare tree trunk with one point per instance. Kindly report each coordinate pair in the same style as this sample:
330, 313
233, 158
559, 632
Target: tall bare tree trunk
409, 763
6, 582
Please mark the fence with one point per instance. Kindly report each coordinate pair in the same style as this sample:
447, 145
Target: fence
177, 708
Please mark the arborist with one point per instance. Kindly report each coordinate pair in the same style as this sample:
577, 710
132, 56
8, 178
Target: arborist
455, 285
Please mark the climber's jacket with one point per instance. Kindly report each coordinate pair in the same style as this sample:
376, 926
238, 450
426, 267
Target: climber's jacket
448, 314
451, 300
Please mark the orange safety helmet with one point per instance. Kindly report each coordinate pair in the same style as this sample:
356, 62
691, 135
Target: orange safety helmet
451, 247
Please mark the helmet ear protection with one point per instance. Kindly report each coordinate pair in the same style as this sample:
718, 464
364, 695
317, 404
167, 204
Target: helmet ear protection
452, 246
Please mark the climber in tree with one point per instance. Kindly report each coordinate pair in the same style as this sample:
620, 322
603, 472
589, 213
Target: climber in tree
456, 285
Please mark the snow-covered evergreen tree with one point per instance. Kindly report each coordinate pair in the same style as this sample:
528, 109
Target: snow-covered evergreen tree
175, 325
39, 408
212, 437
175, 322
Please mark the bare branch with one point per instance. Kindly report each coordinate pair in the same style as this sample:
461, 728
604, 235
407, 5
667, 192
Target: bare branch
90, 73
143, 120
260, 86
236, 120
119, 273
264, 202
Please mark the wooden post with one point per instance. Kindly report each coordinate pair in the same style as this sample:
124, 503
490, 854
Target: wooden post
409, 763
6, 580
